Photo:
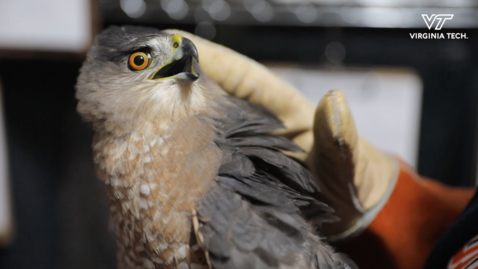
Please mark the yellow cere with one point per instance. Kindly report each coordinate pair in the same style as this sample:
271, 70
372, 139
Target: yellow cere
176, 40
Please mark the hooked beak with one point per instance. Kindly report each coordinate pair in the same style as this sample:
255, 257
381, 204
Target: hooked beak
180, 66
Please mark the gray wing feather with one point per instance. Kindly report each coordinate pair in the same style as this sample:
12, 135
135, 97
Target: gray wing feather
235, 164
264, 141
256, 214
246, 239
290, 169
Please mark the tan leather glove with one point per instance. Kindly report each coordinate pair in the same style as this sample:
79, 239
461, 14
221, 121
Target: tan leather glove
355, 177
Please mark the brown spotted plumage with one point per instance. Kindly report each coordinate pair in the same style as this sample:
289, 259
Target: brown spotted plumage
146, 175
193, 177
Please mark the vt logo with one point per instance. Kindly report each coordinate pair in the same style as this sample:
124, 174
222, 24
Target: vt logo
441, 18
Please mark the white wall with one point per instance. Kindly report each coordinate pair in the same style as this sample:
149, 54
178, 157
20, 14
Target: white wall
45, 25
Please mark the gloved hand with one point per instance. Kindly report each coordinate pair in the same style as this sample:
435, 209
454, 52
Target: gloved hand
390, 217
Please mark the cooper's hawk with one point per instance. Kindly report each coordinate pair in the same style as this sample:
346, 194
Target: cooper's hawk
193, 177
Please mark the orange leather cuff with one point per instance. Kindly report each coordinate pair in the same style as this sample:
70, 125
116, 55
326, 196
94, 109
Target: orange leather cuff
412, 221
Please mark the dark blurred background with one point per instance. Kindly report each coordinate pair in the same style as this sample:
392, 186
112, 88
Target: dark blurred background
59, 210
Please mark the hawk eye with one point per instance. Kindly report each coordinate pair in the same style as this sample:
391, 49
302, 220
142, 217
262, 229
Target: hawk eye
139, 60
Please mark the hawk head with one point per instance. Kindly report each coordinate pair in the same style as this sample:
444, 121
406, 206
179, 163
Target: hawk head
137, 74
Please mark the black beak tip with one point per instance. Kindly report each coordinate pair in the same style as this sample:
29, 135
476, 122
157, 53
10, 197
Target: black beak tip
190, 49
192, 76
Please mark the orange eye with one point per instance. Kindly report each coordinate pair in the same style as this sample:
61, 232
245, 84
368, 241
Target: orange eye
139, 60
